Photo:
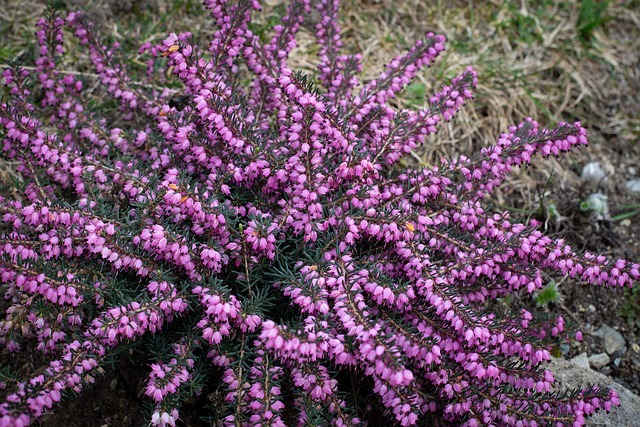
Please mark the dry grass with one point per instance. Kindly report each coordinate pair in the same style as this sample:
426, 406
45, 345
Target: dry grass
532, 61
531, 58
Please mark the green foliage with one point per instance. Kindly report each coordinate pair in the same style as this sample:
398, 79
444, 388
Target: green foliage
596, 202
187, 6
627, 211
525, 25
592, 15
552, 211
631, 307
415, 94
263, 29
549, 294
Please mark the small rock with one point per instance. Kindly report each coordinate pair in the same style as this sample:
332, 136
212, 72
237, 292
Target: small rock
113, 384
632, 171
593, 173
570, 376
598, 361
635, 347
625, 222
633, 185
581, 360
612, 339
599, 333
591, 308
616, 361
620, 353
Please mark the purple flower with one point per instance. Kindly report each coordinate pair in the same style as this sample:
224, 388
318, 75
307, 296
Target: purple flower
257, 221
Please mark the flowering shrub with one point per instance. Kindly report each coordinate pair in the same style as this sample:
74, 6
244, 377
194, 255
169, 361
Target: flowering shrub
263, 227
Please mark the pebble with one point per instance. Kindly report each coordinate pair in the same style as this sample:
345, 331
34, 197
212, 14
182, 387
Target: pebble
581, 360
625, 222
613, 340
113, 384
598, 361
594, 173
591, 308
633, 185
635, 347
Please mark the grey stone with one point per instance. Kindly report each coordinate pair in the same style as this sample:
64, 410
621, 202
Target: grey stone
633, 185
597, 361
592, 172
613, 340
581, 360
569, 375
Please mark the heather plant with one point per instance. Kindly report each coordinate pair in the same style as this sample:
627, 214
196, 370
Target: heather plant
249, 230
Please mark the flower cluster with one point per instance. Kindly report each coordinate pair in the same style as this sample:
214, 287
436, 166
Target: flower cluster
259, 238
165, 379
